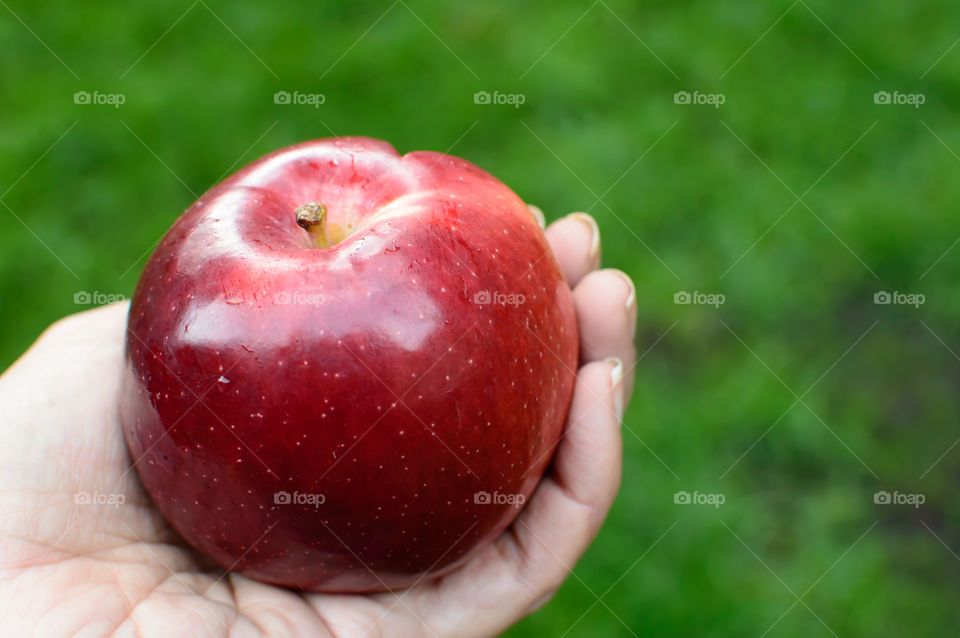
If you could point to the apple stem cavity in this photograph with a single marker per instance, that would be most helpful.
(312, 218)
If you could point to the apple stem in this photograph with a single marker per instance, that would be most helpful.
(311, 218)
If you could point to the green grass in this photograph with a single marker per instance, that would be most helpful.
(688, 198)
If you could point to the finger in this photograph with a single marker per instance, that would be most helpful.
(528, 563)
(606, 305)
(52, 380)
(60, 398)
(536, 212)
(575, 241)
(578, 492)
(104, 325)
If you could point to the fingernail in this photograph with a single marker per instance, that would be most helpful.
(631, 289)
(631, 299)
(591, 223)
(616, 386)
(535, 210)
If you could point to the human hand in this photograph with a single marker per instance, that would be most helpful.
(114, 566)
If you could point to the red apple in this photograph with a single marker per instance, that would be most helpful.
(347, 369)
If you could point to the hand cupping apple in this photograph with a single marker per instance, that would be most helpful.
(347, 369)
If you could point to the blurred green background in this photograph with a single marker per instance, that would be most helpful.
(798, 199)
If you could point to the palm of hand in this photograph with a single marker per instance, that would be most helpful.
(106, 568)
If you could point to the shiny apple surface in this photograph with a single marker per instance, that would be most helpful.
(354, 409)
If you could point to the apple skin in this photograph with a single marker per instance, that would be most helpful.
(369, 371)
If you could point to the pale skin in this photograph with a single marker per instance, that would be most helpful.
(102, 569)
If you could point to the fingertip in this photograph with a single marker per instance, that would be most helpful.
(575, 241)
(593, 252)
(605, 301)
(588, 460)
(616, 385)
(538, 214)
